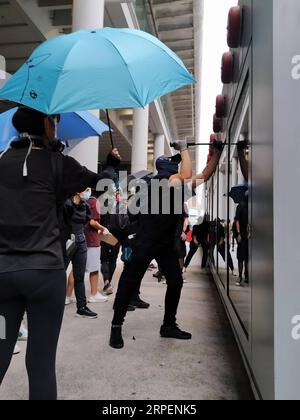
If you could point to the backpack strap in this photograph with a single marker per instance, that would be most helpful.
(57, 169)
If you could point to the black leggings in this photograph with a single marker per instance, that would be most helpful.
(41, 293)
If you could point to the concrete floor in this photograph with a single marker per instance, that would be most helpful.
(207, 368)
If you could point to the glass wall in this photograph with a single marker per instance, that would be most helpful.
(230, 195)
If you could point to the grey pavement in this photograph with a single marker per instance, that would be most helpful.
(208, 367)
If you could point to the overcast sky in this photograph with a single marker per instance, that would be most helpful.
(214, 45)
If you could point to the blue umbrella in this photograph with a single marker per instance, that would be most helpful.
(238, 193)
(74, 125)
(102, 69)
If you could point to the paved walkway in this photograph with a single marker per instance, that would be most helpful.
(207, 368)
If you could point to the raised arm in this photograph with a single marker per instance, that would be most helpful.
(241, 147)
(186, 167)
(209, 170)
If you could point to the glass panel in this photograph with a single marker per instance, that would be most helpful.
(222, 218)
(213, 237)
(239, 214)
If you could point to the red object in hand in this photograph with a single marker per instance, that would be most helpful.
(227, 68)
(221, 106)
(234, 28)
(217, 124)
(189, 236)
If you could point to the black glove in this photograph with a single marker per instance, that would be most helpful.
(218, 145)
(112, 161)
(242, 145)
(179, 145)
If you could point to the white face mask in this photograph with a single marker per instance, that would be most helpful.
(86, 196)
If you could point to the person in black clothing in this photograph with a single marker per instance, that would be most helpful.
(155, 240)
(35, 180)
(242, 240)
(80, 214)
(121, 224)
(199, 238)
(217, 236)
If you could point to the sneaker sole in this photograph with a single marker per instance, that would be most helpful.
(176, 338)
(97, 301)
(117, 347)
(86, 317)
(108, 293)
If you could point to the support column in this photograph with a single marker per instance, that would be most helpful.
(198, 43)
(159, 148)
(88, 14)
(139, 156)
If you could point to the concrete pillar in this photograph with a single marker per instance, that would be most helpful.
(159, 147)
(88, 14)
(139, 156)
(198, 42)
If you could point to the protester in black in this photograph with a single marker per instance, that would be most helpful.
(32, 273)
(155, 240)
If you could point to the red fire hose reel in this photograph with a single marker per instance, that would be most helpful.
(234, 28)
(221, 106)
(217, 124)
(227, 68)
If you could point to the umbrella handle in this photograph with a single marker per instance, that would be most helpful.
(110, 130)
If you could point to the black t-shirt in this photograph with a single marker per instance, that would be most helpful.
(80, 215)
(201, 231)
(29, 228)
(242, 218)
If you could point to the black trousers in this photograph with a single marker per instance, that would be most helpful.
(79, 259)
(133, 274)
(41, 293)
(222, 251)
(109, 257)
(193, 249)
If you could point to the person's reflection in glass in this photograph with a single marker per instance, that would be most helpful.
(243, 241)
(242, 220)
(218, 228)
(242, 146)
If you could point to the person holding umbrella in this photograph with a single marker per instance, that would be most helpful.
(34, 182)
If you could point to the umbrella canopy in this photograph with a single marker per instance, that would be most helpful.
(105, 68)
(238, 193)
(74, 125)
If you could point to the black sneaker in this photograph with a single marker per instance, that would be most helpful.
(86, 313)
(157, 275)
(174, 332)
(116, 340)
(131, 308)
(139, 303)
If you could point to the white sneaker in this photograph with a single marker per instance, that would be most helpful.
(17, 350)
(98, 298)
(23, 333)
(68, 301)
